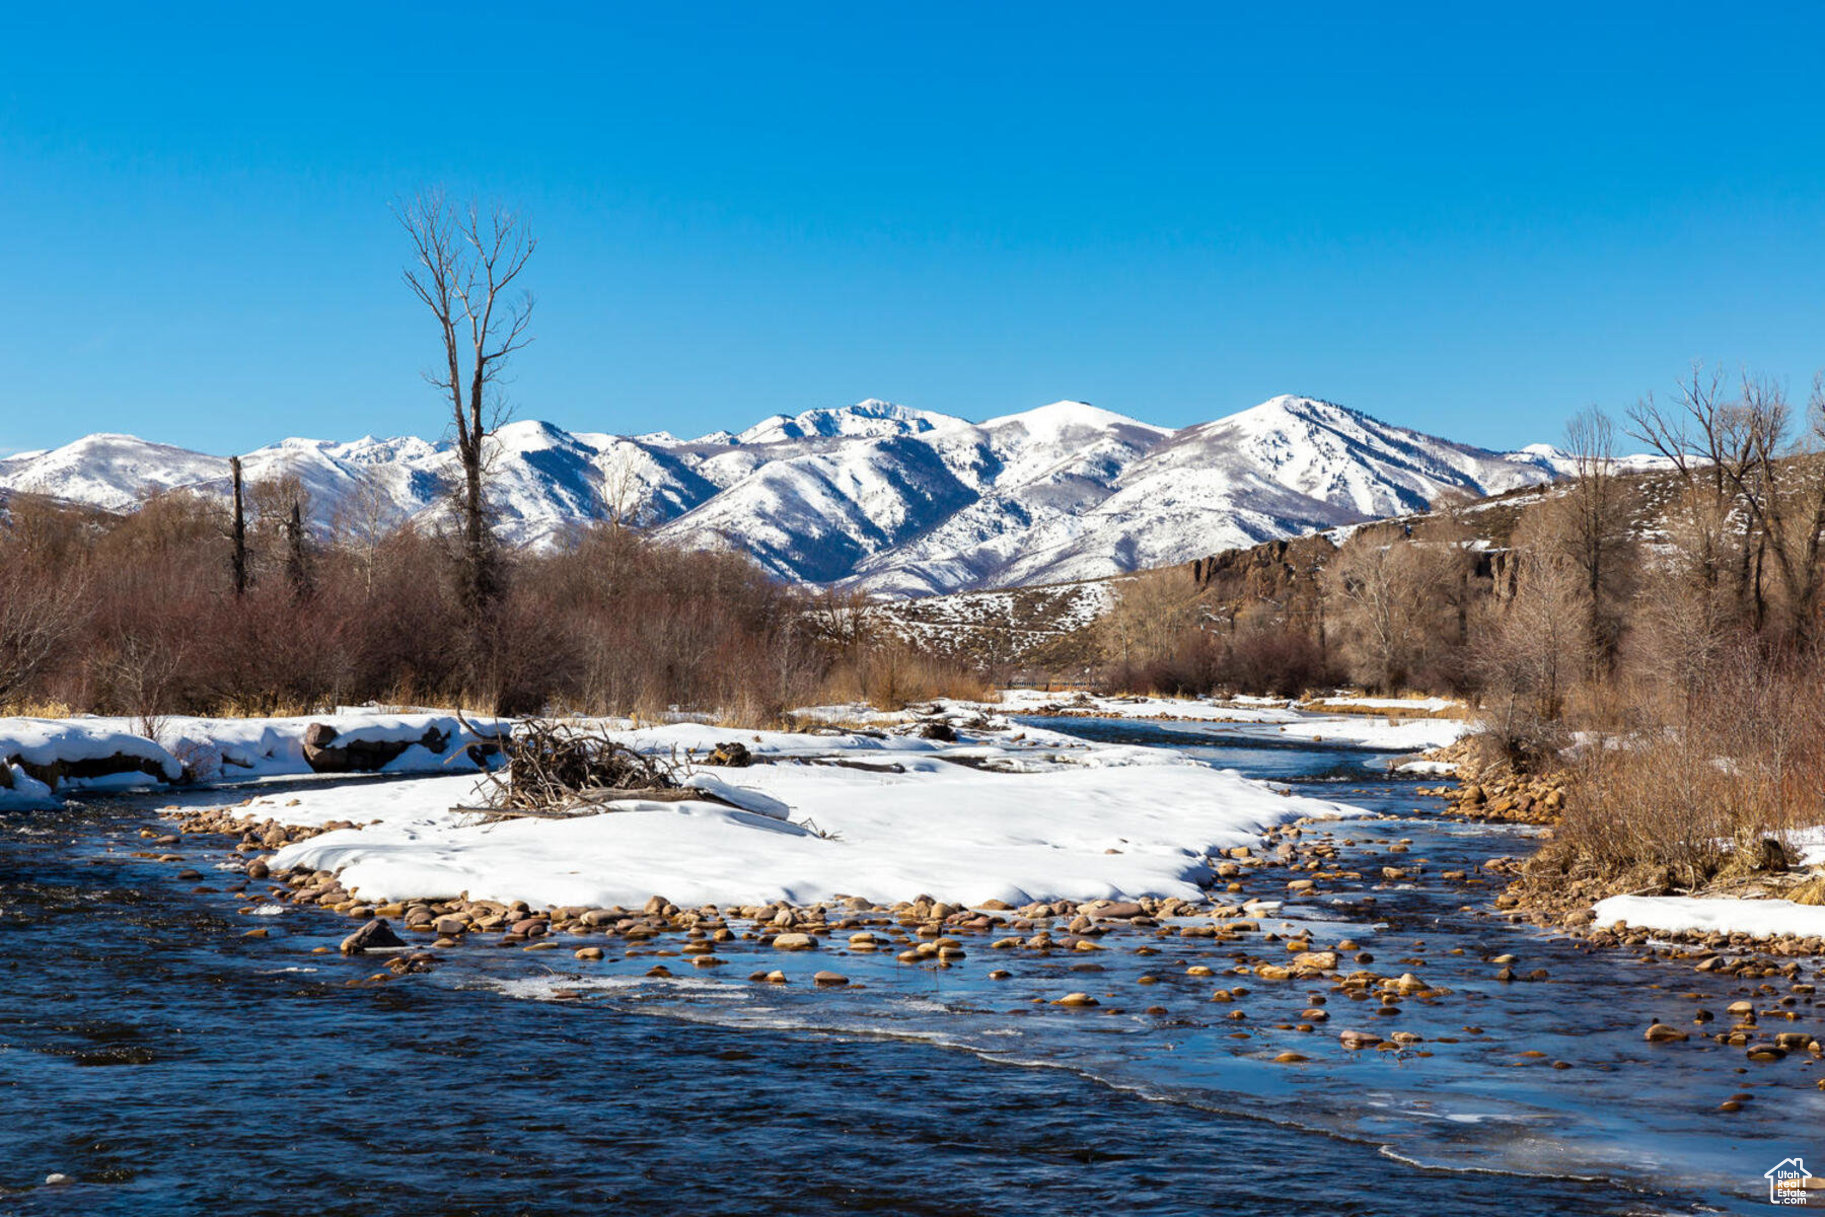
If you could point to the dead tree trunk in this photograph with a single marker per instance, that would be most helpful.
(240, 529)
(296, 568)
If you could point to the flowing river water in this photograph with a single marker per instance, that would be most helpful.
(164, 1062)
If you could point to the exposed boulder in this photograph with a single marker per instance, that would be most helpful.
(328, 751)
(730, 754)
(376, 935)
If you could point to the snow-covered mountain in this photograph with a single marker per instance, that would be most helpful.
(891, 499)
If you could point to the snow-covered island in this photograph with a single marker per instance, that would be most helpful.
(998, 812)
(1009, 813)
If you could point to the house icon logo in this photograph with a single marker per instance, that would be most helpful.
(1787, 1182)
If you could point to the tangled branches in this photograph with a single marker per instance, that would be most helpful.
(555, 768)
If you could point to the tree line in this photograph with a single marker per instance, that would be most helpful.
(138, 614)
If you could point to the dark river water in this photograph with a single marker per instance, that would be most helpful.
(167, 1063)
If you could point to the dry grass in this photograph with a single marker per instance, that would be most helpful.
(1317, 703)
(33, 708)
(893, 675)
(1680, 805)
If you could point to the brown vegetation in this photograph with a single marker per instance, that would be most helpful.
(138, 615)
(1648, 645)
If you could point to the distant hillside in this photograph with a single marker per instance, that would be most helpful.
(1052, 627)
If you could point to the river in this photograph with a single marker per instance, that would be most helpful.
(167, 1063)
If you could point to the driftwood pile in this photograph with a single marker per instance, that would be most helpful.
(558, 769)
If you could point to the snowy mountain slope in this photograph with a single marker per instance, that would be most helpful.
(1561, 463)
(113, 472)
(815, 517)
(1287, 466)
(1038, 470)
(878, 496)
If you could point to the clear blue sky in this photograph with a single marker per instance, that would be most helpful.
(1466, 221)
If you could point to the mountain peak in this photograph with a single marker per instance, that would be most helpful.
(1063, 416)
(869, 418)
(1293, 405)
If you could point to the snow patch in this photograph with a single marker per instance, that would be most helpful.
(1705, 915)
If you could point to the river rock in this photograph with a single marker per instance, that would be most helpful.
(1315, 961)
(375, 935)
(794, 942)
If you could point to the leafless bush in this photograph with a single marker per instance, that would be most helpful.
(1697, 789)
(39, 613)
(1534, 648)
(891, 674)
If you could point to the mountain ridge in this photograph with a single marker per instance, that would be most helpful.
(879, 496)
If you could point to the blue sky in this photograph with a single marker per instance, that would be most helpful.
(1470, 222)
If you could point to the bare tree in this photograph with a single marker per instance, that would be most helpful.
(465, 266)
(1704, 438)
(1587, 526)
(623, 499)
(1387, 597)
(1783, 494)
(1532, 652)
(1756, 507)
(361, 522)
(1152, 612)
(38, 615)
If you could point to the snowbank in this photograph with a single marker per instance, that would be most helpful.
(218, 749)
(1399, 735)
(20, 791)
(1428, 768)
(69, 754)
(1808, 845)
(882, 819)
(109, 753)
(1759, 918)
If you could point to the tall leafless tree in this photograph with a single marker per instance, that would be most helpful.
(1757, 505)
(1783, 494)
(465, 268)
(1588, 526)
(1704, 437)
